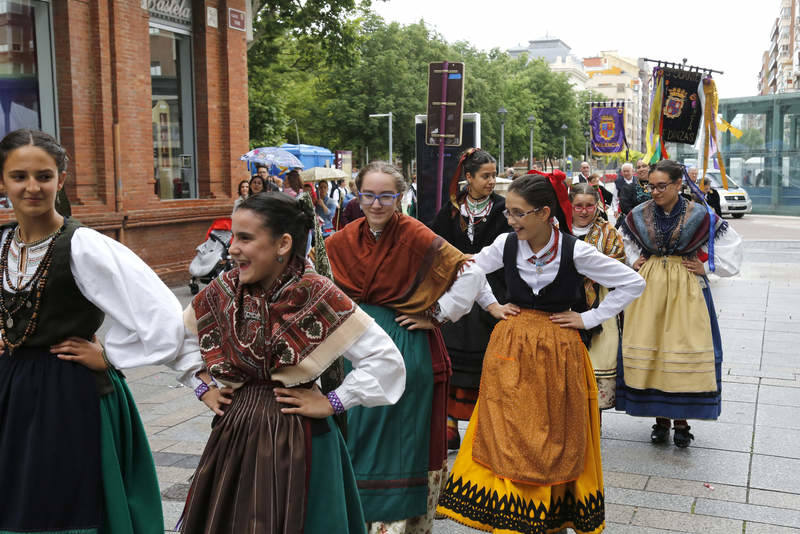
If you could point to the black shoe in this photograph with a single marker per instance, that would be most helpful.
(682, 436)
(660, 434)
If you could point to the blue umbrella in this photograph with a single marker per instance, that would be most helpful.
(276, 159)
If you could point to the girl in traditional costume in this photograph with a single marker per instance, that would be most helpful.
(275, 461)
(590, 228)
(473, 219)
(73, 453)
(530, 459)
(671, 362)
(408, 279)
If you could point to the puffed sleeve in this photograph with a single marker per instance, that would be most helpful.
(490, 258)
(458, 300)
(728, 253)
(379, 374)
(145, 317)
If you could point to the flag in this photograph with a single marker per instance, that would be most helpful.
(682, 109)
(608, 129)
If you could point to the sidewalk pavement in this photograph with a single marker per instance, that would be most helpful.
(741, 474)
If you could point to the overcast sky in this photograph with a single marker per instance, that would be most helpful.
(726, 35)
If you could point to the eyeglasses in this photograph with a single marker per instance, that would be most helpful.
(384, 199)
(519, 214)
(584, 209)
(659, 187)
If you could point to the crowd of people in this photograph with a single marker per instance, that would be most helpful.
(526, 315)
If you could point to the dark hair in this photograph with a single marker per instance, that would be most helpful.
(260, 166)
(537, 191)
(260, 179)
(474, 162)
(282, 215)
(239, 190)
(583, 188)
(26, 137)
(673, 169)
(385, 168)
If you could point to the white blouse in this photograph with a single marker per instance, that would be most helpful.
(458, 300)
(589, 262)
(728, 253)
(146, 325)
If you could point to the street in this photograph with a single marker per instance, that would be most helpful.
(738, 476)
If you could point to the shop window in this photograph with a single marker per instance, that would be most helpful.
(172, 114)
(27, 89)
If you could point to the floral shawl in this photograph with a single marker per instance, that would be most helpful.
(607, 240)
(290, 333)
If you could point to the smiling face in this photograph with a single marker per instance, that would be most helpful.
(482, 183)
(244, 188)
(585, 169)
(627, 172)
(669, 196)
(530, 226)
(256, 250)
(378, 183)
(584, 210)
(32, 180)
(642, 170)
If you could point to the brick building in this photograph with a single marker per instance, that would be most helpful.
(149, 97)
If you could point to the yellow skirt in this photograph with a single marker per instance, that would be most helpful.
(478, 496)
(666, 342)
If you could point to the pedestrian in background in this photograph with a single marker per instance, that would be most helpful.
(671, 362)
(257, 185)
(294, 184)
(472, 220)
(243, 190)
(275, 461)
(410, 281)
(325, 207)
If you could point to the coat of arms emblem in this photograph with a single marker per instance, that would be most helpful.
(675, 101)
(607, 127)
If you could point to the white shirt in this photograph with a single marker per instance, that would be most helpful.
(589, 262)
(728, 253)
(146, 324)
(458, 300)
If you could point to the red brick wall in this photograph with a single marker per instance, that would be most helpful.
(104, 116)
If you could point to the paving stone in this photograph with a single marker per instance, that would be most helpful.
(624, 480)
(782, 396)
(686, 522)
(172, 513)
(783, 361)
(739, 392)
(741, 413)
(619, 513)
(692, 463)
(138, 373)
(186, 447)
(778, 416)
(777, 441)
(695, 488)
(153, 429)
(196, 429)
(777, 325)
(176, 492)
(616, 528)
(181, 415)
(174, 475)
(794, 383)
(167, 459)
(760, 528)
(748, 512)
(157, 444)
(649, 499)
(776, 499)
(165, 378)
(190, 461)
(756, 325)
(733, 379)
(775, 474)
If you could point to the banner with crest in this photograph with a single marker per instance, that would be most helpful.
(683, 111)
(608, 128)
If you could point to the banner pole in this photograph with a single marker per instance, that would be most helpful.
(442, 116)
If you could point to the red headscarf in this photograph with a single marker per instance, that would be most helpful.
(556, 179)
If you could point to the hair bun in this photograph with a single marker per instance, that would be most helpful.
(307, 213)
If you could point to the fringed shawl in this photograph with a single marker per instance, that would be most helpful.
(607, 240)
(688, 236)
(407, 268)
(290, 333)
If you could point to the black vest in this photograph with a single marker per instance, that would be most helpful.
(562, 294)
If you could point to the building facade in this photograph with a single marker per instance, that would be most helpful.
(780, 70)
(558, 55)
(149, 98)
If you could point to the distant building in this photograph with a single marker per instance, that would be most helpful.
(780, 69)
(622, 79)
(557, 54)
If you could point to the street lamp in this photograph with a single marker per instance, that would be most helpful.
(588, 136)
(296, 131)
(378, 115)
(563, 147)
(502, 112)
(531, 120)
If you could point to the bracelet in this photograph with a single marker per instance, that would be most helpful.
(203, 388)
(338, 407)
(432, 312)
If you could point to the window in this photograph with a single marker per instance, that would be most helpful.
(172, 114)
(27, 89)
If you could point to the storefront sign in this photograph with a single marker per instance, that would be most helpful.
(236, 19)
(171, 10)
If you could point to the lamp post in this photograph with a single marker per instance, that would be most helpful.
(296, 131)
(563, 147)
(502, 112)
(378, 115)
(531, 120)
(588, 135)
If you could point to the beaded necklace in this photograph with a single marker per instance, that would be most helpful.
(37, 282)
(476, 210)
(548, 256)
(665, 225)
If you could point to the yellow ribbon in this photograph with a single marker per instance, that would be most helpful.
(725, 126)
(654, 120)
(710, 128)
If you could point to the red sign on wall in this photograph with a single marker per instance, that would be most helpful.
(236, 19)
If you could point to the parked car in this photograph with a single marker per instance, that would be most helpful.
(735, 201)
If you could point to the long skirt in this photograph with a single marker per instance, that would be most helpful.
(265, 471)
(466, 342)
(603, 354)
(692, 337)
(78, 463)
(398, 450)
(530, 459)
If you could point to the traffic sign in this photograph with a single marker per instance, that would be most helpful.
(450, 102)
